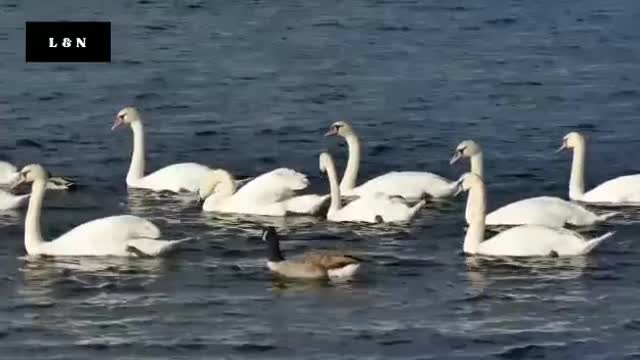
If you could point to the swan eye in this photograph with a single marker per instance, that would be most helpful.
(121, 117)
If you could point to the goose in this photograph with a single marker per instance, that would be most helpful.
(411, 185)
(523, 240)
(270, 194)
(123, 235)
(370, 208)
(176, 178)
(541, 210)
(623, 190)
(310, 265)
(9, 175)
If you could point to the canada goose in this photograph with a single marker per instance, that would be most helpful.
(310, 265)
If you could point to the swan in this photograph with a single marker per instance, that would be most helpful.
(542, 210)
(9, 174)
(123, 235)
(9, 201)
(523, 240)
(270, 194)
(623, 190)
(411, 185)
(371, 208)
(175, 178)
(310, 265)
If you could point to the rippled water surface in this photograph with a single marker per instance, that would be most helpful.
(253, 85)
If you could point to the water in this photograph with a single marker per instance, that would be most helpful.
(250, 86)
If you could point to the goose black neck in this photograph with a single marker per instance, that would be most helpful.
(273, 248)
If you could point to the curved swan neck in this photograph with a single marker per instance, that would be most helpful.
(350, 176)
(32, 235)
(477, 166)
(333, 185)
(226, 183)
(476, 208)
(576, 181)
(136, 169)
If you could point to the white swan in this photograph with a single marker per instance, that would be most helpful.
(623, 190)
(411, 185)
(9, 201)
(123, 235)
(176, 177)
(9, 174)
(524, 240)
(270, 194)
(542, 210)
(371, 208)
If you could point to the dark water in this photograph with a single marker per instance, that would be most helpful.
(253, 85)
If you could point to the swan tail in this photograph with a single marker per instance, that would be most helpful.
(608, 215)
(593, 243)
(60, 183)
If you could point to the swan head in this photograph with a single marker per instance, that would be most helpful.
(572, 140)
(339, 128)
(467, 148)
(126, 116)
(325, 161)
(31, 173)
(467, 181)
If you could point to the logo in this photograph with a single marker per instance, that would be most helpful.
(67, 41)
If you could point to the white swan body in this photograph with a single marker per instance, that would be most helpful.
(270, 194)
(542, 210)
(411, 185)
(623, 190)
(176, 178)
(370, 208)
(524, 240)
(9, 201)
(123, 235)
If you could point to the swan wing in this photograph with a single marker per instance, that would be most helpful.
(105, 236)
(543, 210)
(534, 240)
(271, 187)
(8, 173)
(10, 201)
(176, 178)
(623, 189)
(409, 184)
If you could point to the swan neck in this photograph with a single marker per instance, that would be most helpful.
(576, 181)
(350, 176)
(333, 186)
(477, 165)
(136, 169)
(32, 234)
(226, 184)
(476, 210)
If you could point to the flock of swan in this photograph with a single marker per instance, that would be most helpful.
(537, 224)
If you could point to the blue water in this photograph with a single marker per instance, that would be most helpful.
(252, 85)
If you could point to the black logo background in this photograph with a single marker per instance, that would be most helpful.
(97, 34)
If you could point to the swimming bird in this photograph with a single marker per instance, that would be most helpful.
(523, 240)
(623, 190)
(371, 208)
(123, 235)
(411, 185)
(310, 265)
(272, 194)
(541, 210)
(176, 178)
